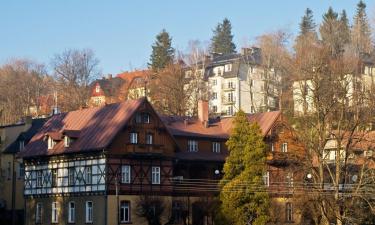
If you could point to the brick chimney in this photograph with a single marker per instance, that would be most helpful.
(203, 111)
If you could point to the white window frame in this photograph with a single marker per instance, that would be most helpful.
(71, 176)
(133, 136)
(66, 141)
(125, 210)
(216, 147)
(272, 147)
(89, 212)
(155, 175)
(284, 147)
(54, 177)
(266, 178)
(39, 178)
(149, 139)
(38, 213)
(289, 212)
(71, 212)
(214, 108)
(55, 212)
(51, 143)
(88, 174)
(146, 117)
(193, 146)
(97, 88)
(214, 95)
(126, 174)
(214, 82)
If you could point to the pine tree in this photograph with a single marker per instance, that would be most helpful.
(361, 34)
(222, 40)
(162, 51)
(307, 24)
(243, 195)
(344, 27)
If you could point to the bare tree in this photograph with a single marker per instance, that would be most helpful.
(151, 208)
(74, 70)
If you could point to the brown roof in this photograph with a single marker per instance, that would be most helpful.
(135, 78)
(97, 127)
(219, 128)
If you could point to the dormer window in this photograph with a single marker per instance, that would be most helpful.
(51, 143)
(192, 145)
(22, 145)
(67, 141)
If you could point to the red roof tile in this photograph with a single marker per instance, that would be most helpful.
(97, 128)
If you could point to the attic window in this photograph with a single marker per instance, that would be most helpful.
(22, 145)
(142, 118)
(97, 88)
(51, 143)
(67, 141)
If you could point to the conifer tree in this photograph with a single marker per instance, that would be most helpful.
(222, 40)
(162, 51)
(361, 34)
(344, 27)
(243, 195)
(307, 24)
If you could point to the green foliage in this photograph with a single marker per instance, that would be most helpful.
(222, 41)
(244, 198)
(162, 51)
(307, 24)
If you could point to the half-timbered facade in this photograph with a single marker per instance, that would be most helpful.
(97, 165)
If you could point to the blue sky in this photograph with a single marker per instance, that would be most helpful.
(121, 32)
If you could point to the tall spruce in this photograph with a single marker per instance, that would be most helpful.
(330, 32)
(344, 27)
(243, 195)
(361, 33)
(222, 40)
(162, 51)
(307, 24)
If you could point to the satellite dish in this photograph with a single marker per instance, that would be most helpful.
(354, 178)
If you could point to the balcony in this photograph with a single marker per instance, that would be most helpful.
(228, 87)
(144, 148)
(226, 100)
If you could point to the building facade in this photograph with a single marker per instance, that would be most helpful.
(107, 165)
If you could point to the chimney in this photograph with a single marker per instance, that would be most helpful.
(203, 111)
(109, 76)
(245, 51)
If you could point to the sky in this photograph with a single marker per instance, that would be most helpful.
(121, 32)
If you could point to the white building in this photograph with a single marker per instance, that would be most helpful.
(238, 81)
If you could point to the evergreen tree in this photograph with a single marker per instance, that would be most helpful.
(244, 198)
(344, 27)
(222, 41)
(162, 51)
(331, 32)
(307, 24)
(361, 34)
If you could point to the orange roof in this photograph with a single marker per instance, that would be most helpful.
(218, 128)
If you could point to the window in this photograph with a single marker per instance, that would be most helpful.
(22, 145)
(228, 67)
(214, 95)
(230, 84)
(214, 82)
(251, 70)
(138, 118)
(289, 179)
(284, 147)
(289, 212)
(133, 138)
(66, 141)
(146, 117)
(21, 170)
(97, 88)
(54, 177)
(230, 97)
(51, 143)
(192, 146)
(39, 178)
(54, 214)
(272, 147)
(214, 108)
(89, 215)
(38, 212)
(266, 178)
(149, 139)
(216, 147)
(71, 212)
(88, 177)
(230, 110)
(125, 174)
(155, 175)
(71, 175)
(124, 212)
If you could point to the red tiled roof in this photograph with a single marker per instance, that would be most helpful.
(219, 128)
(131, 77)
(97, 127)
